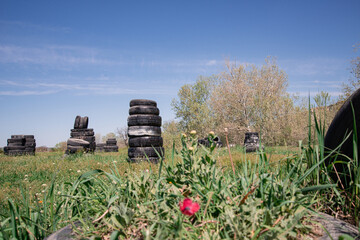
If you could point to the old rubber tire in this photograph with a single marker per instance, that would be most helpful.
(138, 131)
(147, 141)
(84, 123)
(82, 132)
(87, 138)
(17, 136)
(15, 147)
(77, 122)
(341, 126)
(144, 102)
(77, 142)
(74, 149)
(16, 141)
(144, 110)
(88, 130)
(145, 152)
(144, 120)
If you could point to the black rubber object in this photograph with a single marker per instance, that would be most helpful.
(147, 141)
(88, 130)
(145, 151)
(87, 138)
(341, 126)
(15, 147)
(15, 152)
(144, 120)
(16, 141)
(17, 136)
(84, 121)
(77, 122)
(77, 142)
(145, 102)
(144, 110)
(138, 131)
(75, 148)
(30, 145)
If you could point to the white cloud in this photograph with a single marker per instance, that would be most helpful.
(32, 27)
(26, 93)
(44, 88)
(211, 63)
(313, 66)
(52, 55)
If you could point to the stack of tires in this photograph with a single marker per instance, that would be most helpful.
(144, 131)
(20, 145)
(251, 142)
(111, 145)
(82, 138)
(100, 147)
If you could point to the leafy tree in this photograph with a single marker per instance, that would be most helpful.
(171, 133)
(192, 106)
(354, 81)
(251, 98)
(123, 136)
(107, 136)
(61, 146)
(98, 138)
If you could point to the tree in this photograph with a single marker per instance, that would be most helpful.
(192, 106)
(61, 146)
(354, 81)
(123, 135)
(171, 133)
(107, 136)
(251, 98)
(97, 138)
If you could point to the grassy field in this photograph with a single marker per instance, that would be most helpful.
(266, 195)
(34, 172)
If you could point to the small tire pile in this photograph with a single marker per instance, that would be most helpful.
(82, 139)
(100, 147)
(20, 145)
(251, 142)
(111, 145)
(144, 131)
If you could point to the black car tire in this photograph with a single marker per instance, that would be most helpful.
(342, 125)
(16, 141)
(138, 131)
(144, 120)
(77, 122)
(84, 121)
(147, 141)
(144, 110)
(145, 152)
(146, 102)
(77, 142)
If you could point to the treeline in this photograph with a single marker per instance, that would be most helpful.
(248, 98)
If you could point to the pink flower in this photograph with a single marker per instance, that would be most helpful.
(188, 207)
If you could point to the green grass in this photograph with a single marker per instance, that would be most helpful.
(269, 197)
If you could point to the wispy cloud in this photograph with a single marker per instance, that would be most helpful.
(313, 66)
(58, 56)
(32, 27)
(26, 93)
(43, 88)
(52, 55)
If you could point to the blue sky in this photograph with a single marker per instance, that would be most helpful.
(90, 58)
